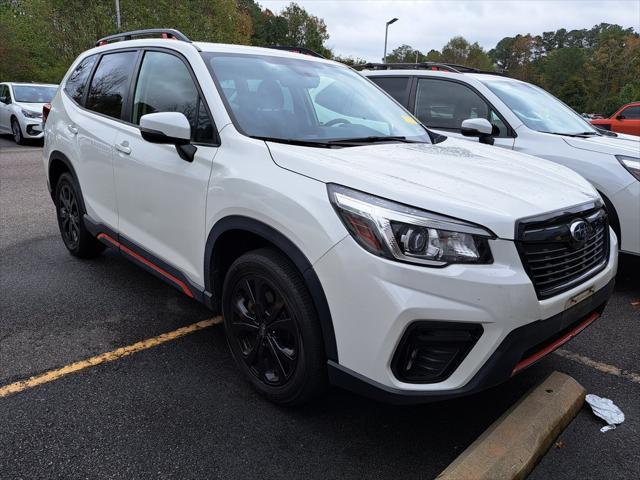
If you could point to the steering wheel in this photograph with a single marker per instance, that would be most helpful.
(337, 121)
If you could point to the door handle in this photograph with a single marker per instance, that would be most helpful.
(123, 148)
(72, 129)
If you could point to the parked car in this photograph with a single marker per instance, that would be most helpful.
(625, 120)
(462, 102)
(339, 238)
(21, 109)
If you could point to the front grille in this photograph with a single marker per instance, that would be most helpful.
(557, 258)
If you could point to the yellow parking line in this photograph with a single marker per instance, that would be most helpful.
(52, 375)
(600, 366)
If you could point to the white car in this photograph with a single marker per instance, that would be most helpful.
(21, 109)
(527, 119)
(360, 249)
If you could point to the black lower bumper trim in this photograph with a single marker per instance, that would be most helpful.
(496, 370)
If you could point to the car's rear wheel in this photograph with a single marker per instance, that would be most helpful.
(17, 132)
(69, 211)
(272, 327)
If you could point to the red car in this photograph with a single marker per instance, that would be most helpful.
(625, 120)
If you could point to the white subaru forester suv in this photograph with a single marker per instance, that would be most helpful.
(341, 240)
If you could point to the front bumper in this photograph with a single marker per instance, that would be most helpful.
(31, 127)
(373, 301)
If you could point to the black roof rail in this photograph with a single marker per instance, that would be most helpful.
(302, 50)
(409, 66)
(465, 69)
(436, 66)
(162, 32)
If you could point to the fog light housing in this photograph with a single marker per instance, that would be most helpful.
(429, 352)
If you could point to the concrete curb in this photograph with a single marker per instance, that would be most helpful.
(513, 444)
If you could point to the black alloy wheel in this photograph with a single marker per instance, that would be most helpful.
(272, 327)
(69, 214)
(265, 329)
(69, 209)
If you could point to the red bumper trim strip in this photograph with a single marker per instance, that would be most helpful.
(556, 344)
(183, 286)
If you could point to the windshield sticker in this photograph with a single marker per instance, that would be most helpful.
(409, 119)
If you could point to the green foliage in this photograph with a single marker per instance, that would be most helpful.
(293, 27)
(594, 70)
(458, 51)
(39, 39)
(349, 60)
(405, 54)
(461, 52)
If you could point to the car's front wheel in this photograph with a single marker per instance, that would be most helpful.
(272, 327)
(17, 132)
(74, 234)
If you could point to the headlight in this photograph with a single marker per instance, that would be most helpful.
(30, 114)
(630, 163)
(406, 234)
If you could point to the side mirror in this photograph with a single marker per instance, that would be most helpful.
(4, 100)
(478, 127)
(620, 117)
(171, 128)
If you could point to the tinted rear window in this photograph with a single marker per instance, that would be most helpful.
(397, 87)
(110, 83)
(77, 81)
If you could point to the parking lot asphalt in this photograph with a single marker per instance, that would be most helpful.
(181, 409)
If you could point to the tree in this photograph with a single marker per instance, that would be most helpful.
(405, 54)
(43, 37)
(305, 30)
(459, 51)
(349, 60)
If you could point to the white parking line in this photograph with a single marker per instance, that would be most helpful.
(600, 366)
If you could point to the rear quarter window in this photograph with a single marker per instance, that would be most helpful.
(77, 81)
(397, 87)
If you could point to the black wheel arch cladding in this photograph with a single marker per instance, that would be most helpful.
(213, 278)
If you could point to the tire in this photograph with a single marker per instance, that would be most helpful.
(75, 235)
(272, 328)
(18, 137)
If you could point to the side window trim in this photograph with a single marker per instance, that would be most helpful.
(201, 98)
(511, 133)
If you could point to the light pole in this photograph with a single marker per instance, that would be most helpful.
(118, 14)
(386, 32)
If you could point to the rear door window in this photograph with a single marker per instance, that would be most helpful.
(397, 87)
(444, 105)
(77, 81)
(110, 83)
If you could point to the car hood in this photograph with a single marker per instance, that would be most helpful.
(620, 145)
(489, 186)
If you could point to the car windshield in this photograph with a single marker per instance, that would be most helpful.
(299, 100)
(33, 93)
(538, 109)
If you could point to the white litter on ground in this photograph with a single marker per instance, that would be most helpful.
(606, 410)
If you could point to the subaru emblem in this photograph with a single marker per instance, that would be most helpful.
(579, 233)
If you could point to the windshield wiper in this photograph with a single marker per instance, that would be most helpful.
(578, 134)
(372, 139)
(295, 141)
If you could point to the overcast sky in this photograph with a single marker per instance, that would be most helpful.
(357, 26)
